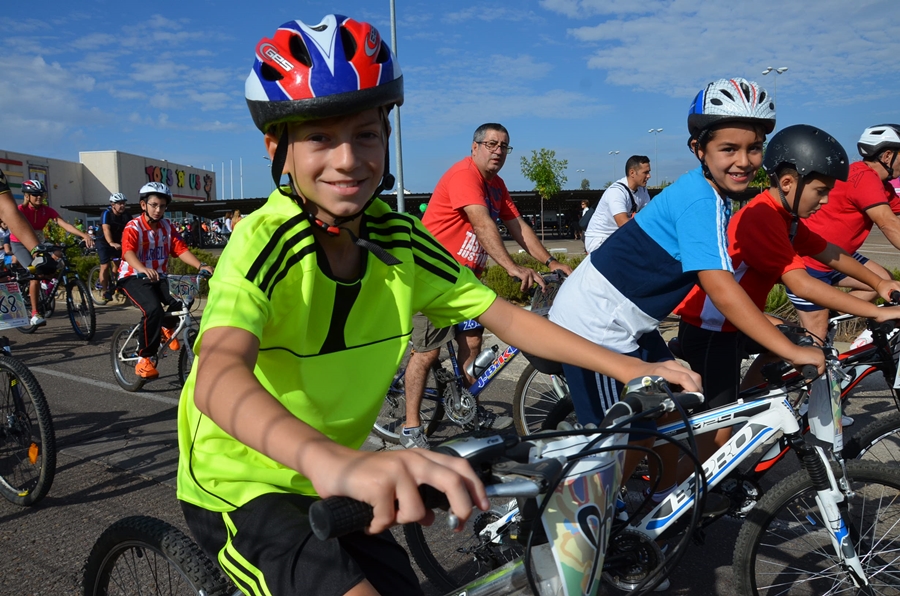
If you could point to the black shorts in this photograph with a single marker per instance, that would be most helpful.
(716, 356)
(267, 547)
(107, 253)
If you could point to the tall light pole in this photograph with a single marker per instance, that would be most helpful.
(614, 154)
(778, 71)
(656, 132)
(401, 199)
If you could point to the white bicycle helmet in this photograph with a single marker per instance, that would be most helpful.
(731, 100)
(117, 198)
(876, 139)
(156, 188)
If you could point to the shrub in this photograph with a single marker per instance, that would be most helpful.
(496, 278)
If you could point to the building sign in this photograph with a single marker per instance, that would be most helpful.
(180, 179)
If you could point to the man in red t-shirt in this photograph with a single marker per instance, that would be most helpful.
(462, 215)
(866, 197)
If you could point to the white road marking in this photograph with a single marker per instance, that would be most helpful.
(102, 385)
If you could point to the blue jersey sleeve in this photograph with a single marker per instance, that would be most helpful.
(702, 232)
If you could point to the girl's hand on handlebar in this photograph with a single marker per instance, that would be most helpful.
(805, 355)
(389, 482)
(675, 374)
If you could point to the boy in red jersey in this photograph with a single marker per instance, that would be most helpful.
(864, 199)
(147, 243)
(765, 241)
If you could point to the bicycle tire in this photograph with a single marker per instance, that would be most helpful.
(49, 302)
(535, 397)
(186, 357)
(451, 559)
(389, 423)
(93, 281)
(125, 343)
(785, 541)
(81, 310)
(144, 555)
(27, 438)
(878, 441)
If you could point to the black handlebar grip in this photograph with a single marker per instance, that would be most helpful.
(809, 372)
(895, 296)
(338, 516)
(690, 400)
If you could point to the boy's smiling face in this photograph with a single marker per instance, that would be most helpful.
(733, 155)
(336, 164)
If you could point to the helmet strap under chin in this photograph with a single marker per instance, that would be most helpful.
(889, 168)
(795, 211)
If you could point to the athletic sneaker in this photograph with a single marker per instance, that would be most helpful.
(146, 369)
(167, 335)
(487, 419)
(414, 437)
(37, 320)
(107, 297)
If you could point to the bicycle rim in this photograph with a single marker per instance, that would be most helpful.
(124, 357)
(93, 284)
(536, 396)
(27, 440)
(878, 442)
(392, 415)
(785, 546)
(453, 559)
(81, 310)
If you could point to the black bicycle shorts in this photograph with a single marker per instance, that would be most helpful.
(267, 547)
(107, 253)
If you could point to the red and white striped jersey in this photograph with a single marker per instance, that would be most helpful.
(152, 247)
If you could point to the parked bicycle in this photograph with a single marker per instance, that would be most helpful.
(79, 305)
(141, 555)
(445, 392)
(124, 351)
(829, 528)
(27, 439)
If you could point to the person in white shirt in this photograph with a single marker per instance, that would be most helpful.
(619, 202)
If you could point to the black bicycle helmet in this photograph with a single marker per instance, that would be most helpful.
(33, 187)
(809, 150)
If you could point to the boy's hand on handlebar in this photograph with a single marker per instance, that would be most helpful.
(389, 482)
(890, 313)
(152, 274)
(207, 268)
(807, 355)
(676, 374)
(886, 287)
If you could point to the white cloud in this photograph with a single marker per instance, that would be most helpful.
(675, 47)
(490, 13)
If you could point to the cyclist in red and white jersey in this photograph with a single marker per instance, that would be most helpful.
(147, 243)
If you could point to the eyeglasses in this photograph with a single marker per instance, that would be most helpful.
(491, 146)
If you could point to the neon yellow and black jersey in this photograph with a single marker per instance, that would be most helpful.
(328, 348)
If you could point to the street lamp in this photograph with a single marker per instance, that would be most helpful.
(614, 154)
(778, 71)
(655, 132)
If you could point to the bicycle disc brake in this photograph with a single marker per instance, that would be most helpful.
(630, 558)
(459, 405)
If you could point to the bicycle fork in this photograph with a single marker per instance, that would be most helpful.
(829, 493)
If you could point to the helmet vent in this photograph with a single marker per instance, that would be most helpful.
(715, 101)
(320, 27)
(349, 43)
(384, 54)
(727, 94)
(269, 73)
(745, 89)
(299, 51)
(762, 98)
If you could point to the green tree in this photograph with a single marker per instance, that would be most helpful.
(546, 172)
(585, 184)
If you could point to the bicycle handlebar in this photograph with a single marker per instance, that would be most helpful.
(337, 516)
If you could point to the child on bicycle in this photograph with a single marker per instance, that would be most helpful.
(307, 320)
(147, 242)
(767, 243)
(38, 215)
(618, 295)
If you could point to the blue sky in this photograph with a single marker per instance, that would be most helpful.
(582, 77)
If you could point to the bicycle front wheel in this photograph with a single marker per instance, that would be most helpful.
(27, 440)
(124, 357)
(143, 555)
(93, 284)
(453, 559)
(785, 545)
(389, 423)
(878, 442)
(80, 306)
(537, 394)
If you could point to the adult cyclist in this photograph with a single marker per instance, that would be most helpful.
(38, 215)
(109, 241)
(147, 243)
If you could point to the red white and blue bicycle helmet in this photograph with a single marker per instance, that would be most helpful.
(339, 67)
(33, 187)
(731, 100)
